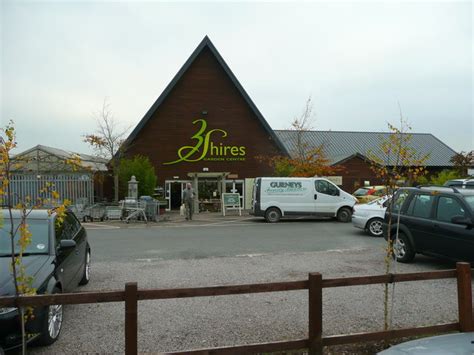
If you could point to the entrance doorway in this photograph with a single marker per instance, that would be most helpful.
(173, 191)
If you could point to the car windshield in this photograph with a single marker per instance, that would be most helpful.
(39, 237)
(361, 192)
(379, 201)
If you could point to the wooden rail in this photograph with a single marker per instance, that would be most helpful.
(314, 284)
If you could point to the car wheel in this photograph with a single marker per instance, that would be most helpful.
(374, 227)
(52, 322)
(87, 269)
(272, 215)
(402, 249)
(344, 215)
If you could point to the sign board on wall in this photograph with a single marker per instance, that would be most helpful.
(205, 148)
(337, 180)
(470, 172)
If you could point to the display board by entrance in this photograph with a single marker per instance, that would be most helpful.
(231, 201)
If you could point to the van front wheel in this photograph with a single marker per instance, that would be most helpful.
(344, 215)
(272, 215)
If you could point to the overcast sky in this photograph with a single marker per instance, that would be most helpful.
(60, 59)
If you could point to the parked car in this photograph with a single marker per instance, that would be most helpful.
(453, 344)
(273, 198)
(467, 183)
(369, 193)
(369, 216)
(58, 258)
(436, 221)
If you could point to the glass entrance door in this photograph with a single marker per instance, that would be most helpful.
(173, 192)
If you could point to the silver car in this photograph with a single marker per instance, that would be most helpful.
(369, 216)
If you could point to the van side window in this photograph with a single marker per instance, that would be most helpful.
(448, 207)
(325, 187)
(420, 206)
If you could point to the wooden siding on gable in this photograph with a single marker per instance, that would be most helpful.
(205, 86)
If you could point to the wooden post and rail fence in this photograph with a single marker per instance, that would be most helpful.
(314, 284)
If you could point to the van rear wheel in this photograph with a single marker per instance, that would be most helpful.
(272, 215)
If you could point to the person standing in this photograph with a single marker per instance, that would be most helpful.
(188, 200)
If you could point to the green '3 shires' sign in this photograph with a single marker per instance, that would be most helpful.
(205, 148)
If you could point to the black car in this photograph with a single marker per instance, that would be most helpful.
(58, 258)
(437, 221)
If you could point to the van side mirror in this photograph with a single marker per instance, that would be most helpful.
(462, 220)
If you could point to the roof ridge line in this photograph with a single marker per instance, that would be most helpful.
(331, 131)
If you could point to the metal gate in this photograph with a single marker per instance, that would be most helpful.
(78, 187)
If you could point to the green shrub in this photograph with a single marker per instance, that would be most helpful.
(440, 178)
(144, 172)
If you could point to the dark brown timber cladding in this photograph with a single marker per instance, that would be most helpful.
(205, 86)
(355, 171)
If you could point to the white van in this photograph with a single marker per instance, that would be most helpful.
(275, 197)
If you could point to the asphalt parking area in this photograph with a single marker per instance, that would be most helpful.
(237, 252)
(216, 237)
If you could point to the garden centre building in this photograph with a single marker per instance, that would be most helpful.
(205, 129)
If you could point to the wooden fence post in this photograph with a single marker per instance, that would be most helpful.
(315, 303)
(131, 327)
(465, 297)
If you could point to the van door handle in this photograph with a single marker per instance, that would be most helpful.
(315, 196)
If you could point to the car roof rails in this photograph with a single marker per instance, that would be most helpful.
(455, 190)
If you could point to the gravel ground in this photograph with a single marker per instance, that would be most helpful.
(171, 325)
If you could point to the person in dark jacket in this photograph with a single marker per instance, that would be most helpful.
(188, 200)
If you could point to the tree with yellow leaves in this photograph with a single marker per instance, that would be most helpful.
(18, 233)
(398, 162)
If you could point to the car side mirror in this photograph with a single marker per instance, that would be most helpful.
(462, 220)
(66, 244)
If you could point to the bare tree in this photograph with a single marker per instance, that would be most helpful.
(301, 124)
(107, 140)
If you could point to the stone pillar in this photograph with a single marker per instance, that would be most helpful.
(133, 187)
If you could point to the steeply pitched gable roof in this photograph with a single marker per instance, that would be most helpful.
(340, 145)
(205, 43)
